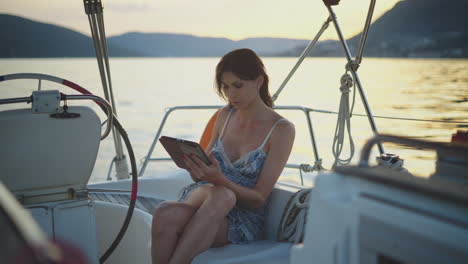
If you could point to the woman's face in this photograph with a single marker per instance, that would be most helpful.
(240, 93)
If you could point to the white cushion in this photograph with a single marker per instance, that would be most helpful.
(42, 155)
(262, 251)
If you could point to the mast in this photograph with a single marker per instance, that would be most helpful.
(353, 64)
(94, 10)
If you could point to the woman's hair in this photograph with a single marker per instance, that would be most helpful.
(246, 65)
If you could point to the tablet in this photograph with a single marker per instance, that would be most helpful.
(177, 147)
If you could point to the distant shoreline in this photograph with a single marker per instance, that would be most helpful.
(402, 32)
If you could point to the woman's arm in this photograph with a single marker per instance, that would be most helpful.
(214, 136)
(282, 140)
(220, 120)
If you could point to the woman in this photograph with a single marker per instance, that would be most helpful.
(249, 148)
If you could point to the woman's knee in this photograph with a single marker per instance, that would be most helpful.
(170, 215)
(223, 197)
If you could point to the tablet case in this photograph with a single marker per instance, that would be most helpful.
(177, 147)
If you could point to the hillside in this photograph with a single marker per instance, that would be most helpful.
(413, 28)
(24, 38)
(421, 28)
(183, 45)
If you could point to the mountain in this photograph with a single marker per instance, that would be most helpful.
(415, 28)
(184, 45)
(412, 28)
(172, 45)
(24, 38)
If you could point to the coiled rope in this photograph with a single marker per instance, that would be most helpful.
(293, 219)
(344, 122)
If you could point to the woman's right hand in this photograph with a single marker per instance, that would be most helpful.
(199, 171)
(192, 175)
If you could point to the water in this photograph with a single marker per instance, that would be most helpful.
(432, 89)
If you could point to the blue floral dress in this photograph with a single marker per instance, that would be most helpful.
(244, 225)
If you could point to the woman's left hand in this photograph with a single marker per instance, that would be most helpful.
(199, 170)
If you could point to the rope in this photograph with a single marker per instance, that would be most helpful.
(304, 167)
(418, 119)
(343, 123)
(390, 117)
(294, 217)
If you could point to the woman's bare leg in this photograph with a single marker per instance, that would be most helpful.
(221, 238)
(205, 226)
(169, 221)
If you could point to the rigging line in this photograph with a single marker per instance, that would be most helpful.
(423, 120)
(105, 58)
(355, 76)
(96, 35)
(94, 11)
(105, 53)
(97, 48)
(393, 117)
(304, 54)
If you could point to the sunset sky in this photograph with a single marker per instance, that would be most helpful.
(234, 19)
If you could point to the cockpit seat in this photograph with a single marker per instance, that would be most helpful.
(263, 251)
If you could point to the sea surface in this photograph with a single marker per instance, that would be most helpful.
(431, 89)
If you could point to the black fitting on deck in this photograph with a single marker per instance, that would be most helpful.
(331, 2)
(93, 6)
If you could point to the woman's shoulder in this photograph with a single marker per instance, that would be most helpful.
(283, 134)
(223, 112)
(225, 109)
(283, 126)
(222, 116)
(281, 120)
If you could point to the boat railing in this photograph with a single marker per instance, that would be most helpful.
(301, 167)
(317, 166)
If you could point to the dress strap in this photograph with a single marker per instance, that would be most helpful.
(225, 124)
(269, 133)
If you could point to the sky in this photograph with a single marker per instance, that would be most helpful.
(234, 19)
